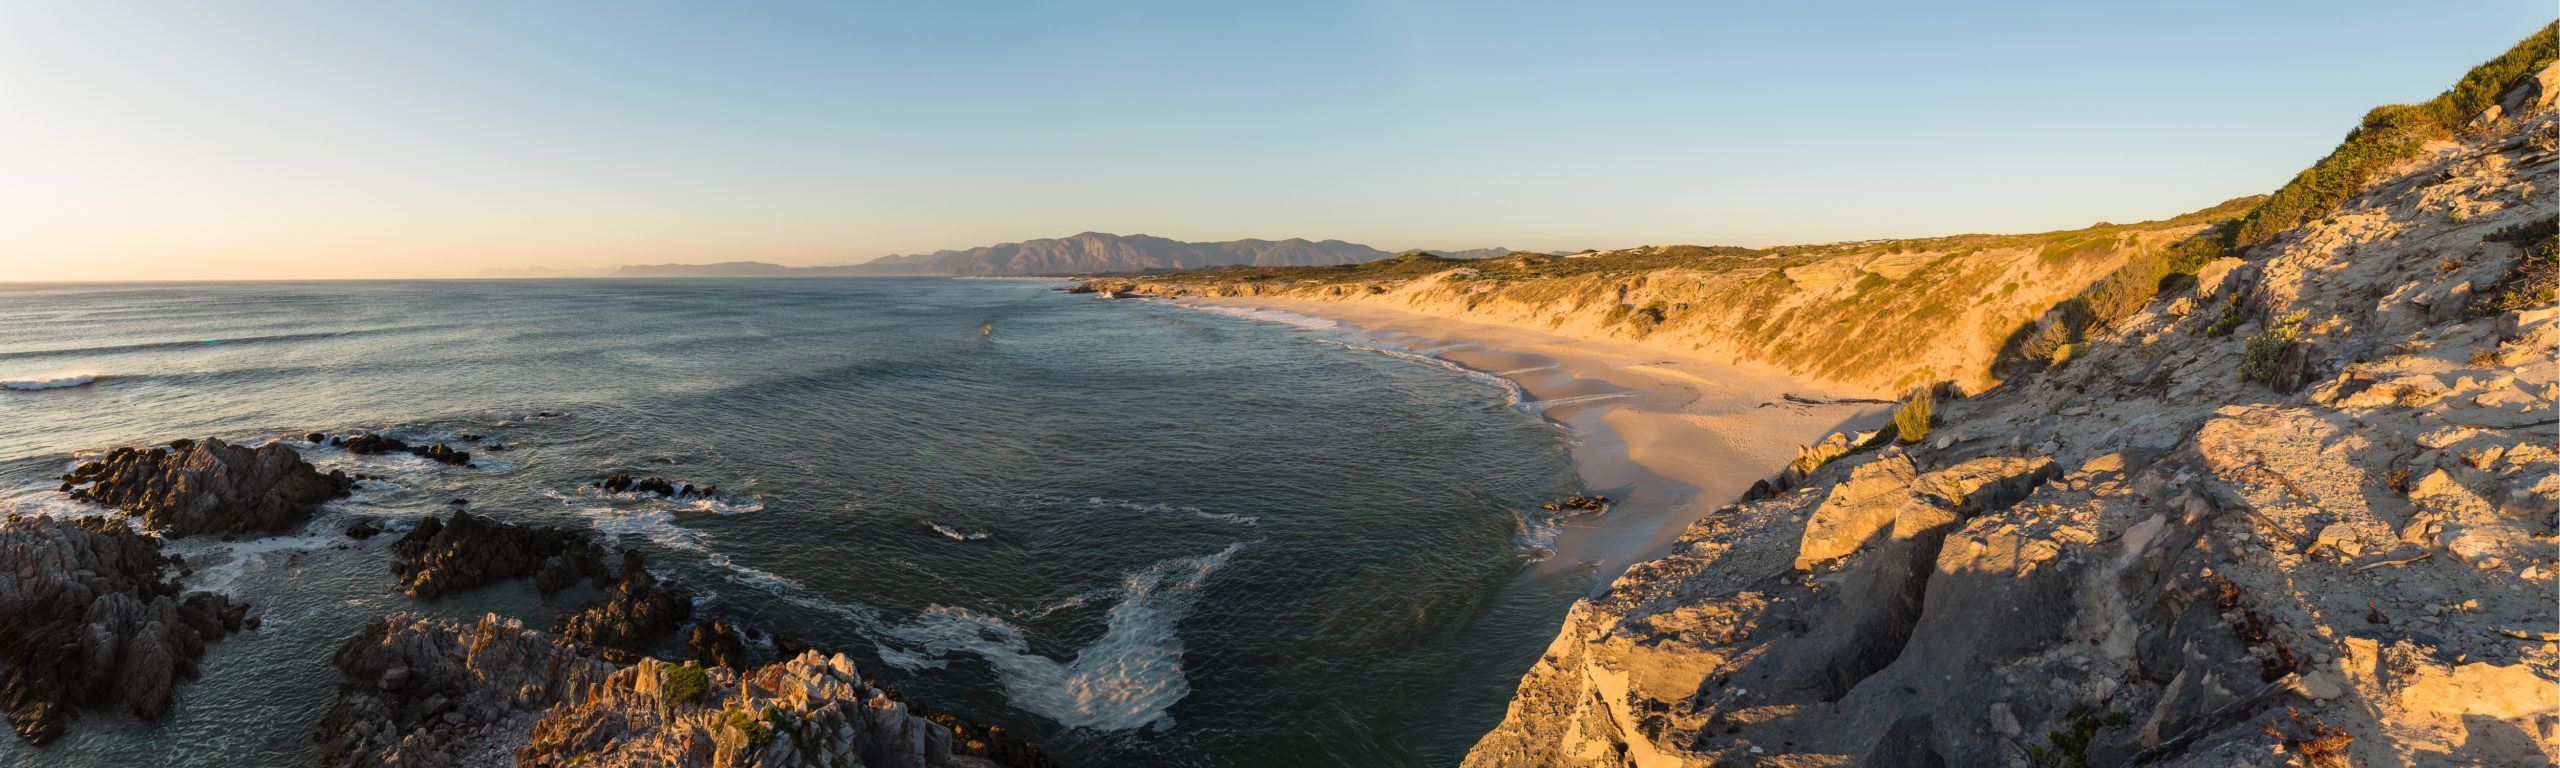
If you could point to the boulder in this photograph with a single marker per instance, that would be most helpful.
(197, 487)
(94, 624)
(463, 550)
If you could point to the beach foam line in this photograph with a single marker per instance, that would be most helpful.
(1512, 394)
(1124, 680)
(49, 381)
(1545, 404)
(1530, 369)
(1309, 322)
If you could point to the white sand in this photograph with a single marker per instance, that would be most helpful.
(1670, 438)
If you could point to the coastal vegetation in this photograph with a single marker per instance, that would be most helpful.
(1911, 421)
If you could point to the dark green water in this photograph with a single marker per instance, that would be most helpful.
(1210, 540)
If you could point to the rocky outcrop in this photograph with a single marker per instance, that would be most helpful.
(94, 623)
(370, 444)
(655, 485)
(463, 550)
(192, 487)
(638, 611)
(2299, 512)
(419, 692)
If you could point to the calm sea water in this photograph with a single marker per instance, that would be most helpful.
(1209, 540)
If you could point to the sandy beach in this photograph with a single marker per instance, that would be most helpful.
(1668, 437)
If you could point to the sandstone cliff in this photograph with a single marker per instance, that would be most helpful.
(2299, 510)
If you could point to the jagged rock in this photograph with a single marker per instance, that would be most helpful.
(370, 444)
(363, 529)
(494, 692)
(463, 550)
(1579, 504)
(196, 487)
(639, 610)
(93, 624)
(715, 643)
(655, 485)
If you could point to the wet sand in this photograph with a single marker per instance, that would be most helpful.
(1669, 438)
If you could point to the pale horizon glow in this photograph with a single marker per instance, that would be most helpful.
(310, 140)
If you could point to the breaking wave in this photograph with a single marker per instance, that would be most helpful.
(1124, 680)
(1309, 322)
(49, 381)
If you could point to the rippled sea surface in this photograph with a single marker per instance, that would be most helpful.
(1207, 539)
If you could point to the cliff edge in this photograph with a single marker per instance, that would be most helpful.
(2298, 509)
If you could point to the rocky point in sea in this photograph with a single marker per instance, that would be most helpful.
(207, 486)
(101, 622)
(95, 621)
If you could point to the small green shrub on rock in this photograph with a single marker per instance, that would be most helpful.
(758, 728)
(2258, 362)
(686, 683)
(1911, 423)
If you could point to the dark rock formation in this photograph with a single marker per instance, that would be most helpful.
(363, 529)
(639, 610)
(1579, 504)
(653, 484)
(93, 624)
(371, 444)
(464, 550)
(192, 487)
(715, 643)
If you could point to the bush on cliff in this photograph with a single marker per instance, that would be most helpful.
(2266, 350)
(686, 683)
(1911, 422)
(2393, 133)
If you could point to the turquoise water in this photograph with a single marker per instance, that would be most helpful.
(1208, 540)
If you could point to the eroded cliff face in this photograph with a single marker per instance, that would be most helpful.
(2299, 512)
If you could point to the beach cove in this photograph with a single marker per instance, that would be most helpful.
(1668, 436)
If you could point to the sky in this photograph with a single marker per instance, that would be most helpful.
(256, 140)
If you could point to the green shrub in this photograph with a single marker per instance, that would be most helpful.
(2393, 133)
(759, 728)
(2258, 362)
(2070, 749)
(1873, 281)
(1911, 422)
(686, 683)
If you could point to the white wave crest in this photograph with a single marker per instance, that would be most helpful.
(1161, 507)
(1512, 394)
(48, 381)
(955, 534)
(1309, 322)
(1124, 680)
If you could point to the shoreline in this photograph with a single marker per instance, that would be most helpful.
(1668, 437)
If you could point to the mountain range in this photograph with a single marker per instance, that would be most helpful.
(1087, 253)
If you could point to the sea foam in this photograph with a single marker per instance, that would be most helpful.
(49, 381)
(1124, 680)
(1308, 322)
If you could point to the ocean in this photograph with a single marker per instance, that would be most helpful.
(1139, 532)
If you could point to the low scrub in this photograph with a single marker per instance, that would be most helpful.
(2266, 350)
(2534, 281)
(2393, 133)
(1911, 421)
(686, 683)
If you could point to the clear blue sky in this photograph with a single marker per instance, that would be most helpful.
(255, 139)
